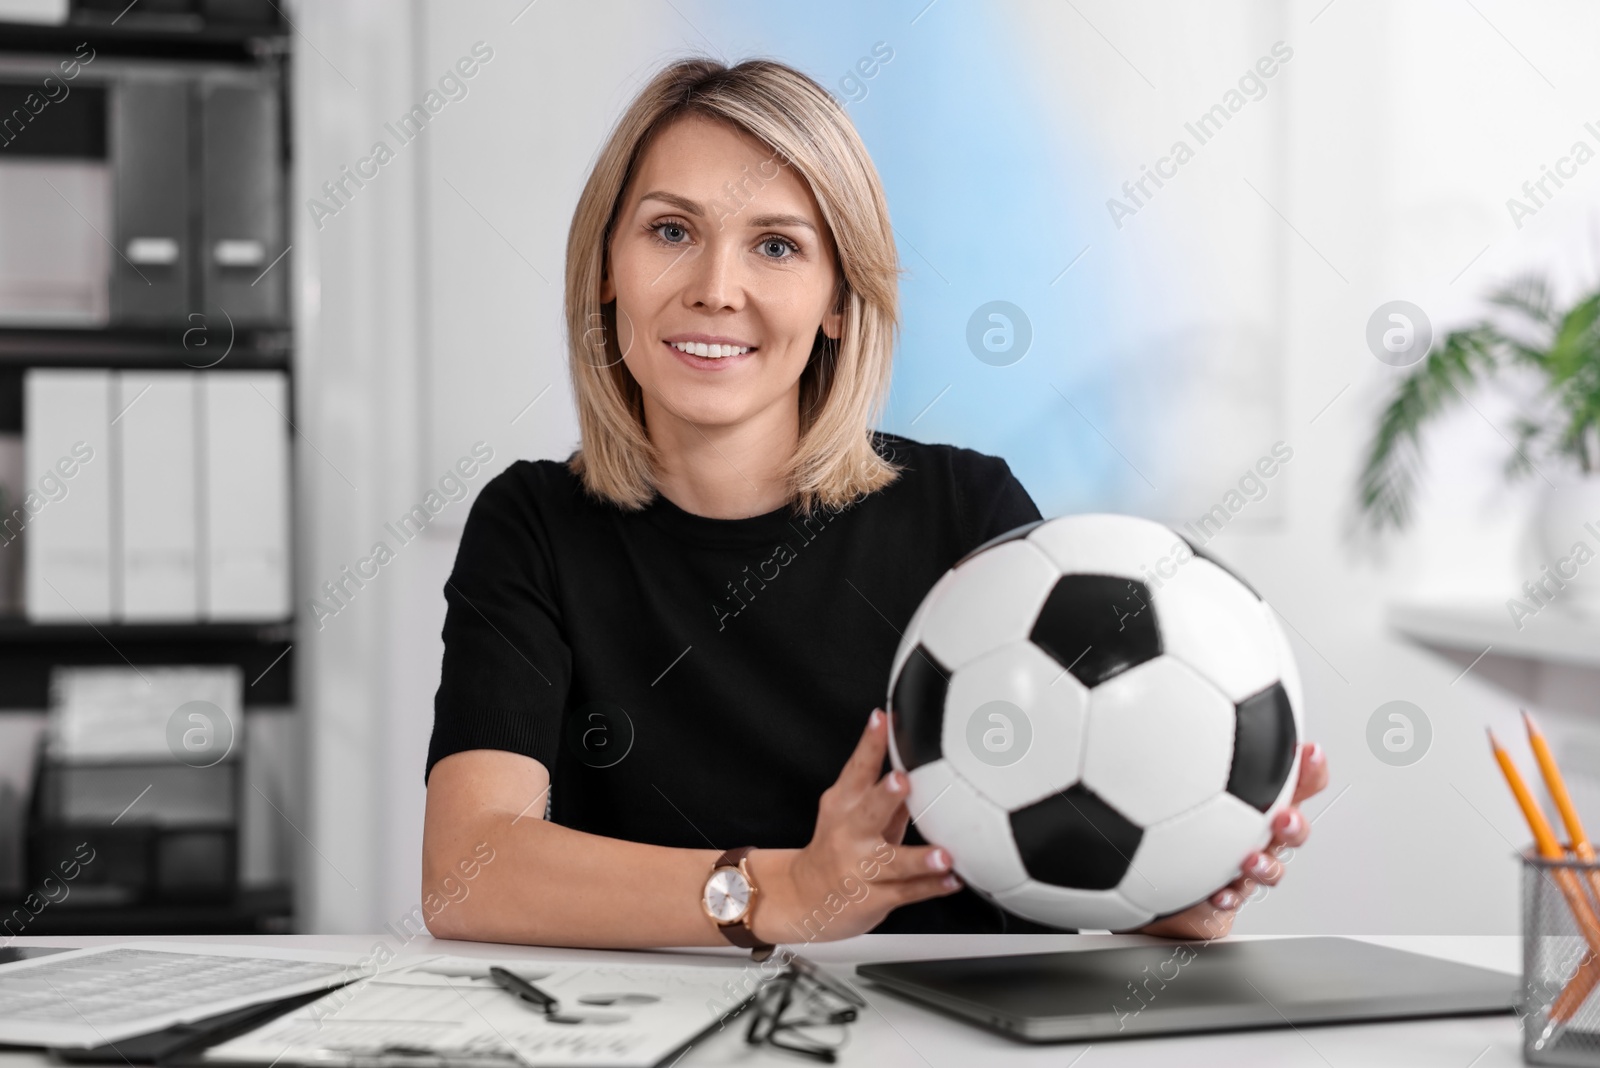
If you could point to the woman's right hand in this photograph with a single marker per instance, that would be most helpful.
(856, 869)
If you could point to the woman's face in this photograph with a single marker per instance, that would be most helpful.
(721, 249)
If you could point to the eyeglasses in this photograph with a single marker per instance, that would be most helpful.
(803, 1010)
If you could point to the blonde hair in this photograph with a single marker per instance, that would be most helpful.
(845, 383)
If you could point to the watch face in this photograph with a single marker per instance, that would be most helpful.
(727, 895)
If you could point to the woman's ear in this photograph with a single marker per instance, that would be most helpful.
(833, 321)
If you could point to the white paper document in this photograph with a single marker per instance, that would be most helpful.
(89, 997)
(448, 1010)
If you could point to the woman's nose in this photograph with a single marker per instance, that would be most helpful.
(713, 281)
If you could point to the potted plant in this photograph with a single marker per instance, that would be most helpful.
(1556, 435)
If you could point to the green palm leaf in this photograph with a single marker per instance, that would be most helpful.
(1530, 295)
(1564, 348)
(1394, 458)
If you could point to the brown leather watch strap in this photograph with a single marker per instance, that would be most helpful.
(742, 936)
(732, 857)
(739, 933)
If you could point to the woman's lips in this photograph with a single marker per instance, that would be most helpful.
(706, 363)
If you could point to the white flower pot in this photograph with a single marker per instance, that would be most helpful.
(1565, 517)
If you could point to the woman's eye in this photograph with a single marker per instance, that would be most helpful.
(777, 248)
(672, 233)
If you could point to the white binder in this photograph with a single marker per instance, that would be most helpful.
(246, 495)
(156, 419)
(66, 531)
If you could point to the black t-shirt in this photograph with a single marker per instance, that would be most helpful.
(697, 682)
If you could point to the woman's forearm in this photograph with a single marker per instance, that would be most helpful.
(552, 885)
(538, 882)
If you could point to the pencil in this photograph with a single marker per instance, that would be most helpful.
(1548, 847)
(1544, 838)
(1583, 982)
(1558, 788)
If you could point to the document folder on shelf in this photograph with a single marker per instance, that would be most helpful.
(157, 417)
(245, 486)
(64, 524)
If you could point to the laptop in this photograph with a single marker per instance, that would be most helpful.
(1189, 987)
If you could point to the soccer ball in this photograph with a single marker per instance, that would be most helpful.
(1099, 721)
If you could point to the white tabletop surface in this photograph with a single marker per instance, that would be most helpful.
(894, 1032)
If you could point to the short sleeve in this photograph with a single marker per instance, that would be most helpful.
(507, 665)
(995, 502)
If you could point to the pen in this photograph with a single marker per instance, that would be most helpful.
(516, 985)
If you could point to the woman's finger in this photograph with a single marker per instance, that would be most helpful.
(861, 770)
(895, 832)
(916, 862)
(1313, 771)
(1264, 868)
(905, 891)
(1289, 828)
(882, 804)
(1200, 922)
(1227, 899)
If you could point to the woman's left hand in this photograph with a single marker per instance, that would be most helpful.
(1213, 918)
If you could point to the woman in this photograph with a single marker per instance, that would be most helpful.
(667, 647)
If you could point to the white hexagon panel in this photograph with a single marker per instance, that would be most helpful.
(908, 640)
(1105, 544)
(1214, 623)
(1191, 856)
(1159, 741)
(992, 601)
(1013, 725)
(950, 813)
(1047, 904)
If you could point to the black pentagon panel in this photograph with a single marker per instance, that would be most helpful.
(1098, 626)
(917, 704)
(1202, 554)
(1015, 534)
(1263, 747)
(1074, 839)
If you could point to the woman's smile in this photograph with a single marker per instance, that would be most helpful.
(709, 352)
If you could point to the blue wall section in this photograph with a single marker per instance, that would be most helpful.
(989, 190)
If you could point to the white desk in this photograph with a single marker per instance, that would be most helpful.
(894, 1032)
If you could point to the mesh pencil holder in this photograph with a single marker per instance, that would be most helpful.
(1560, 1009)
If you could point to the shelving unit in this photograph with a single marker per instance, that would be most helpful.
(263, 651)
(29, 650)
(151, 348)
(133, 38)
(256, 910)
(198, 166)
(1555, 635)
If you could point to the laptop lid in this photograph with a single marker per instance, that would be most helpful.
(1177, 987)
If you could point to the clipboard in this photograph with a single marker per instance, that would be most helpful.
(171, 1045)
(258, 1040)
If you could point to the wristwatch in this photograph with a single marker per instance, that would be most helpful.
(729, 898)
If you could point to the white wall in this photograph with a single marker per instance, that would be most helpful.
(1412, 125)
(360, 311)
(430, 312)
